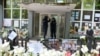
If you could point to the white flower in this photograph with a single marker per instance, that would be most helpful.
(94, 51)
(19, 50)
(15, 47)
(84, 49)
(5, 47)
(52, 52)
(82, 37)
(98, 47)
(25, 54)
(29, 54)
(87, 54)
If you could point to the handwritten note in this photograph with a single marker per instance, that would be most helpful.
(12, 35)
(35, 47)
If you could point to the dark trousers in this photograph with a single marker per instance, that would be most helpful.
(81, 54)
(53, 34)
(13, 43)
(45, 32)
(91, 44)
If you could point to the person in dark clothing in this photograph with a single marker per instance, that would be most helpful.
(89, 41)
(53, 28)
(13, 42)
(91, 44)
(45, 25)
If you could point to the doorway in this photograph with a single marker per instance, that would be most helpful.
(60, 22)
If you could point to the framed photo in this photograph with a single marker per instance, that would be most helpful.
(97, 14)
(69, 44)
(87, 15)
(54, 43)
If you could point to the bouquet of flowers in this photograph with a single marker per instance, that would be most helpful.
(19, 51)
(4, 48)
(23, 33)
(4, 34)
(52, 52)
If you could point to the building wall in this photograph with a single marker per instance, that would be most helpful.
(80, 16)
(85, 14)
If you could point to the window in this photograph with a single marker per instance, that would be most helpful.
(97, 16)
(87, 15)
(88, 4)
(96, 26)
(7, 3)
(15, 3)
(84, 24)
(75, 16)
(24, 24)
(78, 5)
(50, 1)
(14, 14)
(24, 14)
(97, 4)
(16, 23)
(39, 1)
(7, 13)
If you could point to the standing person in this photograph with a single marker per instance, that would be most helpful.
(45, 25)
(53, 28)
(91, 44)
(13, 42)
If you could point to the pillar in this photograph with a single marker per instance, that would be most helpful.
(67, 24)
(30, 24)
(1, 13)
